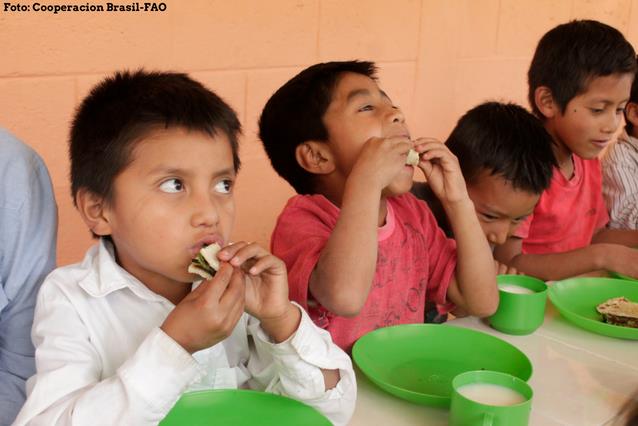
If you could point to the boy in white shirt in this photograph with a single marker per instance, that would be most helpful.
(620, 170)
(120, 336)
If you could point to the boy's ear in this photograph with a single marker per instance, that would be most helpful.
(631, 113)
(315, 157)
(93, 210)
(544, 100)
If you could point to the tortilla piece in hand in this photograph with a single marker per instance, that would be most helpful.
(206, 263)
(413, 158)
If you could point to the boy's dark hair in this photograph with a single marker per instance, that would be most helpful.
(570, 55)
(294, 115)
(126, 107)
(506, 140)
(633, 98)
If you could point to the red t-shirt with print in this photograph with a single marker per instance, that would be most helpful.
(415, 261)
(569, 212)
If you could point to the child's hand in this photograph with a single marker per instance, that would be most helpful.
(266, 282)
(380, 160)
(503, 269)
(622, 259)
(208, 314)
(442, 171)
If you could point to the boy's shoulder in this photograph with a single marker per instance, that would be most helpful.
(403, 205)
(311, 205)
(13, 149)
(66, 279)
(18, 159)
(307, 201)
(96, 276)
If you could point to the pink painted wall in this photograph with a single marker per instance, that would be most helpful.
(437, 58)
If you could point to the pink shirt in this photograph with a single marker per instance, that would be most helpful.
(569, 212)
(415, 260)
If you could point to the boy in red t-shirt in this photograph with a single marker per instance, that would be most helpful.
(579, 83)
(362, 252)
(506, 158)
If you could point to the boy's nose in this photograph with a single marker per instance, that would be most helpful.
(498, 235)
(204, 211)
(396, 115)
(612, 122)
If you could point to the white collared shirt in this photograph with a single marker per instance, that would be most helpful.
(102, 359)
(620, 183)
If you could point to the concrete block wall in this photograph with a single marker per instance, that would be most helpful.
(437, 59)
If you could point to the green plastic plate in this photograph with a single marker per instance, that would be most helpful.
(241, 408)
(576, 299)
(417, 362)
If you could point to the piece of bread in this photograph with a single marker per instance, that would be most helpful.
(413, 158)
(619, 311)
(206, 263)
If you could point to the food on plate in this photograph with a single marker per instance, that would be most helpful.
(619, 311)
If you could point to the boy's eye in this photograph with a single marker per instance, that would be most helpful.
(366, 108)
(596, 110)
(488, 217)
(224, 186)
(172, 186)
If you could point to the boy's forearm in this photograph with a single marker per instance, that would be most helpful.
(558, 266)
(345, 270)
(625, 237)
(475, 275)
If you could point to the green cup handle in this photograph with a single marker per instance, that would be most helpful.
(488, 420)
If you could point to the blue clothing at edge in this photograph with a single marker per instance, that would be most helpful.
(28, 229)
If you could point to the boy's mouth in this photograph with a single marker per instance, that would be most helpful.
(399, 135)
(204, 241)
(601, 143)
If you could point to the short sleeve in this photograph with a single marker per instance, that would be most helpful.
(301, 233)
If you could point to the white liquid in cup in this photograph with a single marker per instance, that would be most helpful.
(489, 394)
(513, 288)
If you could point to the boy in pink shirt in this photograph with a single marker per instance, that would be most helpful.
(361, 251)
(579, 83)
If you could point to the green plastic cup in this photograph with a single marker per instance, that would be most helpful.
(519, 313)
(491, 390)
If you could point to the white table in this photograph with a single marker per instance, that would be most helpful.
(579, 378)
